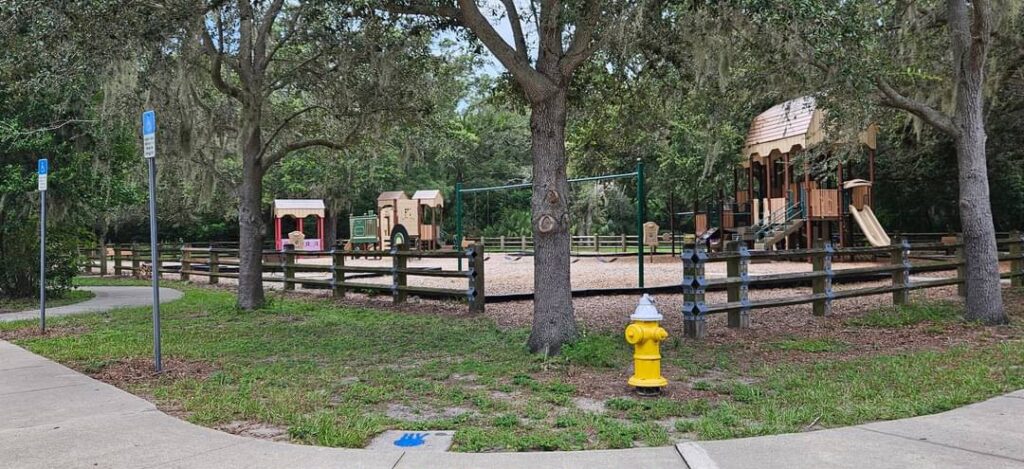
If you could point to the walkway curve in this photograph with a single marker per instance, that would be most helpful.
(52, 416)
(56, 417)
(106, 298)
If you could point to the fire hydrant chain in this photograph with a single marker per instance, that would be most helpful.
(646, 334)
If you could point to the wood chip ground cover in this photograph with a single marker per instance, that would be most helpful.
(337, 373)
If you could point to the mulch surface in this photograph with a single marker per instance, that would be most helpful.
(34, 332)
(133, 371)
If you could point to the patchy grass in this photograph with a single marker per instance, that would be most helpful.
(810, 345)
(598, 350)
(334, 375)
(908, 315)
(117, 281)
(14, 305)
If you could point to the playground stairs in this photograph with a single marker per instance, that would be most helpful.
(778, 233)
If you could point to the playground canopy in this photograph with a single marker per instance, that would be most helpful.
(298, 208)
(797, 123)
(430, 198)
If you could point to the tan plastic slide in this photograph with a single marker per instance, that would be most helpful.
(869, 225)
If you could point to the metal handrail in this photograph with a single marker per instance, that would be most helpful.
(788, 213)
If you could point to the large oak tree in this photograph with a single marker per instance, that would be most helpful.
(927, 58)
(567, 35)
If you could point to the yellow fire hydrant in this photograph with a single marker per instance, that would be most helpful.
(646, 334)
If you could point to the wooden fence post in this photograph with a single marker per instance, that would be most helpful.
(736, 269)
(821, 261)
(898, 256)
(337, 275)
(476, 294)
(398, 277)
(961, 268)
(622, 241)
(136, 263)
(522, 241)
(694, 317)
(501, 243)
(287, 266)
(214, 266)
(1017, 261)
(118, 264)
(186, 265)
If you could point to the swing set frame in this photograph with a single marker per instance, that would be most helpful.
(641, 207)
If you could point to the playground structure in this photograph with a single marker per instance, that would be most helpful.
(641, 207)
(299, 210)
(401, 220)
(776, 209)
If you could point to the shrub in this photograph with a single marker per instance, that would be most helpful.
(19, 271)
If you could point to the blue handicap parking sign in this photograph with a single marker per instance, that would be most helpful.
(148, 123)
(44, 166)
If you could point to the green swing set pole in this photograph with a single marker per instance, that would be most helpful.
(458, 219)
(641, 205)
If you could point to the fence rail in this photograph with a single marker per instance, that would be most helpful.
(215, 263)
(737, 283)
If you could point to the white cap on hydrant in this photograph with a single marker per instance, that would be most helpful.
(645, 310)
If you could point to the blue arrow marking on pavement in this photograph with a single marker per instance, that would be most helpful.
(148, 123)
(409, 440)
(44, 166)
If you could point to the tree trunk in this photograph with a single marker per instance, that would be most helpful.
(250, 220)
(970, 34)
(553, 323)
(984, 295)
(330, 229)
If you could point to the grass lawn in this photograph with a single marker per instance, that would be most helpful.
(24, 304)
(326, 374)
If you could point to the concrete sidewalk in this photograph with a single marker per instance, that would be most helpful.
(51, 416)
(106, 298)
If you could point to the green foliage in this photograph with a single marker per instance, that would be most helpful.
(19, 272)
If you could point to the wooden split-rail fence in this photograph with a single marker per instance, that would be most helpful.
(215, 263)
(738, 306)
(212, 263)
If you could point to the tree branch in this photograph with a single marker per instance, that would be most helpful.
(892, 98)
(533, 82)
(296, 146)
(292, 27)
(517, 28)
(282, 126)
(216, 67)
(263, 34)
(550, 33)
(583, 45)
(246, 64)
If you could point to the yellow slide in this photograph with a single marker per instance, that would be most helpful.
(869, 225)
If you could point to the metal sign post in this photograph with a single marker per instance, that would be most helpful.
(43, 171)
(149, 152)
